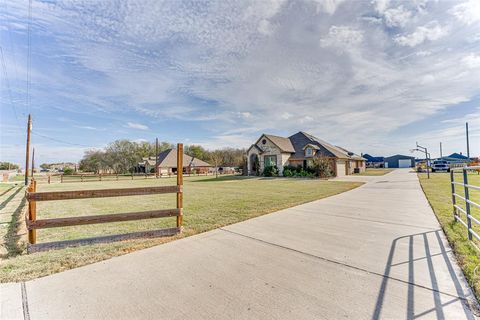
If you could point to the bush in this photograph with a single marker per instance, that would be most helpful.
(270, 171)
(288, 173)
(67, 171)
(321, 167)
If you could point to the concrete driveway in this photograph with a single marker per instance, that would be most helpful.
(376, 252)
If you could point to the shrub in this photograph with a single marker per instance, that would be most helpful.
(288, 173)
(270, 171)
(321, 167)
(67, 171)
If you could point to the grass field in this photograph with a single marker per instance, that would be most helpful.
(374, 172)
(208, 203)
(438, 192)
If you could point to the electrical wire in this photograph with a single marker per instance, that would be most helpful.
(4, 67)
(60, 141)
(29, 54)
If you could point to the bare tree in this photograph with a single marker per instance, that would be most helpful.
(217, 158)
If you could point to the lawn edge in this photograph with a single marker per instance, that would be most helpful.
(452, 245)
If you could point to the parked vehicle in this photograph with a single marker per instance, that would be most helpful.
(440, 165)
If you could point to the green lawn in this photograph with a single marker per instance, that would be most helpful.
(208, 203)
(437, 189)
(374, 172)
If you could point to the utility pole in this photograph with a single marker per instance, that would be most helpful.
(156, 157)
(441, 154)
(27, 153)
(33, 160)
(468, 143)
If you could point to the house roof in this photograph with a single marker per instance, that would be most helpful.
(399, 156)
(373, 159)
(457, 156)
(256, 147)
(334, 151)
(284, 144)
(168, 159)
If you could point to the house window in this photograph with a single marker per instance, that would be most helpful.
(270, 161)
(309, 152)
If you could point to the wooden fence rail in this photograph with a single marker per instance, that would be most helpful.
(33, 196)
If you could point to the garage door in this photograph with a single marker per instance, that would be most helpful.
(340, 169)
(404, 163)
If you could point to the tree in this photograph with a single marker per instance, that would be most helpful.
(216, 157)
(93, 161)
(67, 171)
(45, 166)
(8, 166)
(197, 152)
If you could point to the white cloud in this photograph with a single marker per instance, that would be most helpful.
(380, 5)
(467, 12)
(397, 17)
(342, 37)
(134, 125)
(328, 6)
(429, 32)
(423, 53)
(265, 27)
(472, 60)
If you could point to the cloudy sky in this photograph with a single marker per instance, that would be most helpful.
(371, 76)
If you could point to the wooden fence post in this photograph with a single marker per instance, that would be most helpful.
(61, 178)
(49, 179)
(100, 177)
(180, 184)
(32, 213)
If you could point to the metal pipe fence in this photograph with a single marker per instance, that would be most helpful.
(470, 221)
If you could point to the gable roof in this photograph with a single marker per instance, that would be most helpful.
(370, 158)
(256, 147)
(168, 159)
(457, 156)
(301, 138)
(284, 144)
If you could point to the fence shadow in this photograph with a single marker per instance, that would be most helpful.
(10, 197)
(16, 231)
(225, 178)
(438, 309)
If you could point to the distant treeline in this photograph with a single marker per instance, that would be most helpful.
(122, 156)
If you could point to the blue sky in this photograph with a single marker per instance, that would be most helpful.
(371, 76)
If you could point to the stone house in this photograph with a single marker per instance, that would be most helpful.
(299, 150)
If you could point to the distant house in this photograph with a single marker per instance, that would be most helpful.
(399, 161)
(167, 163)
(61, 166)
(299, 150)
(374, 162)
(456, 158)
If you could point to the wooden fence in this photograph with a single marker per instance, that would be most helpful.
(60, 178)
(33, 223)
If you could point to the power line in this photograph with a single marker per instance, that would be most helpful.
(29, 50)
(4, 67)
(60, 141)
